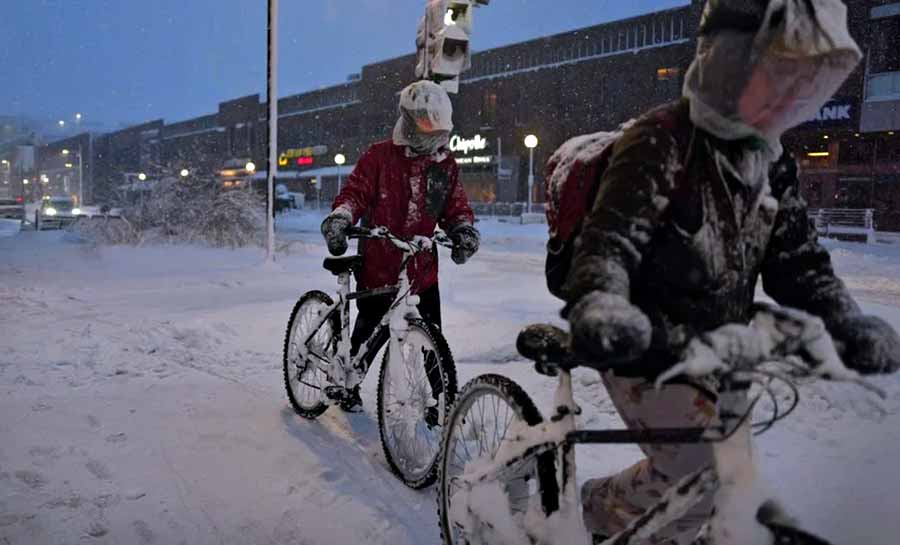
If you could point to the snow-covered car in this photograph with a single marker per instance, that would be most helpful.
(56, 213)
(13, 209)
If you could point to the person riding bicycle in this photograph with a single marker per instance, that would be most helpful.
(697, 202)
(409, 184)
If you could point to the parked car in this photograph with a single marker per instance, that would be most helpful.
(13, 209)
(56, 213)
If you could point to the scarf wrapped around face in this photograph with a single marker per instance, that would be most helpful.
(425, 118)
(765, 66)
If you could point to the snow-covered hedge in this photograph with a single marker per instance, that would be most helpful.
(193, 210)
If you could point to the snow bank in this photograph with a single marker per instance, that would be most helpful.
(9, 228)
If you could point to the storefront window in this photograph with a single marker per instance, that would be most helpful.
(854, 193)
(885, 46)
(489, 109)
(856, 152)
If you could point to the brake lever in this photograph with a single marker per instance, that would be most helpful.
(443, 239)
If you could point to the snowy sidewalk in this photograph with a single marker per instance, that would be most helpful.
(141, 400)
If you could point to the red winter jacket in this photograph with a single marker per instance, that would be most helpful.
(409, 196)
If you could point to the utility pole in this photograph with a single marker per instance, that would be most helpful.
(272, 96)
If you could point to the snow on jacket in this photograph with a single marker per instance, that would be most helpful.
(677, 231)
(409, 195)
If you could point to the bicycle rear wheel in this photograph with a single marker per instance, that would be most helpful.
(305, 383)
(484, 416)
(414, 396)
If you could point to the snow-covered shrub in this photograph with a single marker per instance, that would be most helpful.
(107, 230)
(195, 209)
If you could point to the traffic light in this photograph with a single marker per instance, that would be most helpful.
(442, 41)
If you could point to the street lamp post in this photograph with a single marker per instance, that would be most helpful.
(80, 174)
(339, 160)
(531, 142)
(8, 166)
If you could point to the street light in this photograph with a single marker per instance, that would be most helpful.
(77, 117)
(531, 142)
(66, 152)
(339, 160)
(142, 177)
(250, 167)
(62, 123)
(185, 173)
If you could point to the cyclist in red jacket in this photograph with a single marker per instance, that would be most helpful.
(409, 184)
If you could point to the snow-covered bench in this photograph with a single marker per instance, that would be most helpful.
(844, 223)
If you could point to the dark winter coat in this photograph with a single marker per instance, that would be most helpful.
(680, 235)
(409, 196)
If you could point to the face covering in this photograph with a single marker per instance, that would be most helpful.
(764, 67)
(425, 118)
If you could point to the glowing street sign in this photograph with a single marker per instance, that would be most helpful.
(466, 145)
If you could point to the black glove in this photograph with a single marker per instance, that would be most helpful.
(867, 344)
(334, 229)
(465, 243)
(609, 328)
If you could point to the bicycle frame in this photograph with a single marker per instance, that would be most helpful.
(560, 434)
(349, 371)
(800, 346)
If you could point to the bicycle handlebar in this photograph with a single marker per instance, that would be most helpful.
(416, 244)
(792, 339)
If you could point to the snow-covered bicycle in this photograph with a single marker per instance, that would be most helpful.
(417, 381)
(508, 477)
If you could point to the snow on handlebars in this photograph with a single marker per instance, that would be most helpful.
(414, 245)
(790, 338)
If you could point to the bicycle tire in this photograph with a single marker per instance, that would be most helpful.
(525, 409)
(310, 297)
(447, 375)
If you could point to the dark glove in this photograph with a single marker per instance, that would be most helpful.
(609, 328)
(867, 344)
(465, 243)
(334, 229)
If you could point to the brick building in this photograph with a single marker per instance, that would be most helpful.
(553, 87)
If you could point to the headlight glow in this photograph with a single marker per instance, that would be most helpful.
(50, 211)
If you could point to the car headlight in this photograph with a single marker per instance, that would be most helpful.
(50, 211)
(76, 211)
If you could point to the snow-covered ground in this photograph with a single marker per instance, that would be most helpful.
(141, 399)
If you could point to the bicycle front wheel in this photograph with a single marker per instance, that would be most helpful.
(415, 393)
(487, 413)
(305, 382)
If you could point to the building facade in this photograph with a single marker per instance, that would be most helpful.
(554, 87)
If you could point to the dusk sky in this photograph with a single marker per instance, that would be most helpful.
(132, 60)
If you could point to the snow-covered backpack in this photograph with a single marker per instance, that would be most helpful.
(574, 172)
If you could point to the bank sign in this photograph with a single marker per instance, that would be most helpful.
(834, 113)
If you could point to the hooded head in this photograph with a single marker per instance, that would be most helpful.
(425, 118)
(765, 66)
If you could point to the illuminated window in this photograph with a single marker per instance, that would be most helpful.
(664, 74)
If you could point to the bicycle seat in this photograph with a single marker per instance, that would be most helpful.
(341, 265)
(547, 346)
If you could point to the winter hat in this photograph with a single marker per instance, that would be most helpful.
(764, 66)
(426, 118)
